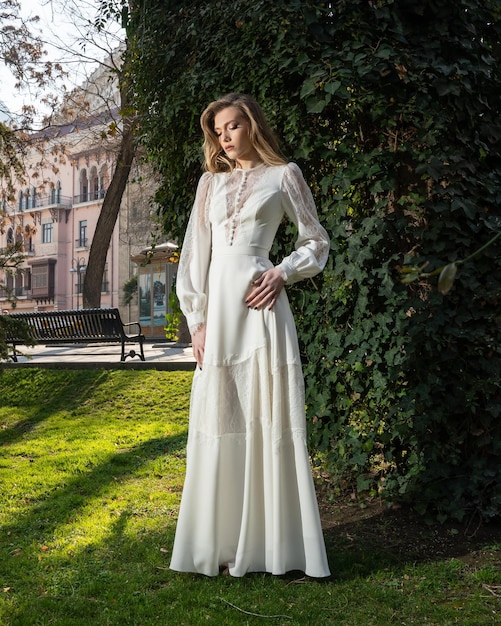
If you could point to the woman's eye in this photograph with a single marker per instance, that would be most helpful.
(234, 127)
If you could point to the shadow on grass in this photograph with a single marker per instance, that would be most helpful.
(45, 395)
(125, 578)
(359, 541)
(63, 503)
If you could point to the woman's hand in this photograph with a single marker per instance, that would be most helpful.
(198, 344)
(266, 289)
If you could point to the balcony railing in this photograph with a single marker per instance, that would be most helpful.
(90, 196)
(18, 292)
(52, 200)
(41, 202)
(27, 250)
(22, 292)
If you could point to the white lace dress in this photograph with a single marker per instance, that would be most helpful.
(248, 501)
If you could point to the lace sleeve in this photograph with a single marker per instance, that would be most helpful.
(191, 282)
(312, 245)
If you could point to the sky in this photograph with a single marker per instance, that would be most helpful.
(62, 31)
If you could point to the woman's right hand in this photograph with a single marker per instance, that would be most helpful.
(198, 344)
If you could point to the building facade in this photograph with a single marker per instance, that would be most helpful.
(69, 167)
(54, 218)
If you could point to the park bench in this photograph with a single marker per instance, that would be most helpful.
(82, 326)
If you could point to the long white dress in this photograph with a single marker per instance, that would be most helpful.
(248, 500)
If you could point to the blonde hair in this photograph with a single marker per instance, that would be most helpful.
(261, 136)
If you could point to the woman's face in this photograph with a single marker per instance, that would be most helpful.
(232, 129)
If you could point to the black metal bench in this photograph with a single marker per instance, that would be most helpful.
(82, 326)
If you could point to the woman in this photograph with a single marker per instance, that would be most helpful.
(248, 502)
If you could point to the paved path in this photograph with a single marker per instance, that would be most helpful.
(161, 356)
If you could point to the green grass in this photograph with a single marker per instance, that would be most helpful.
(91, 472)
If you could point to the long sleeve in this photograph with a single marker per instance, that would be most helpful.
(191, 283)
(312, 245)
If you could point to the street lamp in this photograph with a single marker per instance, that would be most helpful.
(78, 266)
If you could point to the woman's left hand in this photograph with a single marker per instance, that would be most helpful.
(266, 289)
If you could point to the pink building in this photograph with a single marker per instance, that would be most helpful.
(68, 169)
(55, 216)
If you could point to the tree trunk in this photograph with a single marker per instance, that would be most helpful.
(107, 220)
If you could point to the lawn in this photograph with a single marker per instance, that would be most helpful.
(91, 472)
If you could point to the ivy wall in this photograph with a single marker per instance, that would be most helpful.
(392, 110)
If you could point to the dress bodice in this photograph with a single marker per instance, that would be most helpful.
(246, 207)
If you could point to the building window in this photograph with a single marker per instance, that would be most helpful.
(94, 184)
(84, 187)
(80, 281)
(103, 181)
(95, 188)
(10, 237)
(42, 279)
(20, 283)
(39, 277)
(82, 234)
(9, 283)
(105, 285)
(47, 232)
